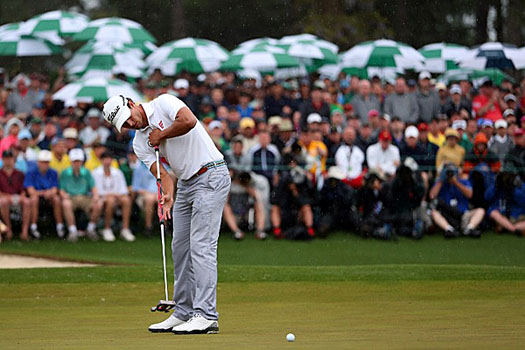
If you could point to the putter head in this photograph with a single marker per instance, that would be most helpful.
(164, 306)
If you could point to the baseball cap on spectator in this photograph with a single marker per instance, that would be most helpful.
(93, 113)
(8, 154)
(44, 156)
(336, 111)
(510, 97)
(411, 131)
(275, 120)
(502, 123)
(318, 85)
(455, 89)
(181, 84)
(335, 172)
(449, 132)
(348, 107)
(411, 83)
(373, 113)
(76, 154)
(314, 118)
(385, 136)
(459, 124)
(480, 138)
(286, 125)
(424, 75)
(487, 124)
(422, 127)
(24, 134)
(70, 133)
(518, 132)
(215, 124)
(386, 117)
(247, 122)
(440, 86)
(56, 140)
(12, 122)
(507, 112)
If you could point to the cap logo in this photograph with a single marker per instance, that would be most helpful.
(113, 114)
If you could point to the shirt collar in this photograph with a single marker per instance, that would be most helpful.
(148, 109)
(501, 139)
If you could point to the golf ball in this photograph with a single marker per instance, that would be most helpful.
(290, 337)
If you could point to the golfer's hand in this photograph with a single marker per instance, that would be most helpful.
(155, 137)
(166, 201)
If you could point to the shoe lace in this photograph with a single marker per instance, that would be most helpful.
(195, 317)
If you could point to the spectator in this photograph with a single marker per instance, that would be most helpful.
(397, 127)
(430, 148)
(276, 103)
(373, 120)
(443, 95)
(487, 104)
(22, 99)
(501, 143)
(60, 160)
(182, 90)
(427, 98)
(373, 219)
(411, 147)
(265, 158)
(42, 186)
(516, 157)
(314, 105)
(77, 191)
(28, 153)
(365, 137)
(11, 130)
(364, 102)
(144, 185)
(456, 102)
(111, 186)
(434, 134)
(243, 107)
(451, 152)
(383, 157)
(315, 153)
(460, 126)
(402, 104)
(50, 131)
(118, 144)
(236, 158)
(94, 158)
(350, 159)
(480, 154)
(285, 138)
(94, 131)
(216, 131)
(71, 137)
(450, 211)
(12, 195)
(487, 127)
(469, 134)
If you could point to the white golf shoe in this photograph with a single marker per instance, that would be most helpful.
(126, 235)
(108, 235)
(197, 325)
(165, 326)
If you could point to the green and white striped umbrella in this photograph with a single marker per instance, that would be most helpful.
(441, 57)
(474, 75)
(14, 44)
(10, 27)
(382, 54)
(263, 58)
(61, 23)
(310, 50)
(96, 90)
(189, 54)
(250, 44)
(333, 70)
(105, 59)
(114, 29)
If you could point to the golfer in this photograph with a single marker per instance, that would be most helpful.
(202, 188)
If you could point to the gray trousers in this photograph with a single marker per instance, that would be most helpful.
(197, 215)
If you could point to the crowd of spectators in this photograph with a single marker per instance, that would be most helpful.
(307, 157)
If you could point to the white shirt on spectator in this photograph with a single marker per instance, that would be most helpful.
(115, 183)
(383, 160)
(186, 154)
(350, 159)
(88, 135)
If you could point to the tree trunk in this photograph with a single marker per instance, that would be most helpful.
(482, 11)
(514, 34)
(177, 20)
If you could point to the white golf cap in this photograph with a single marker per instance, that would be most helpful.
(507, 112)
(215, 124)
(411, 131)
(70, 133)
(93, 113)
(455, 89)
(181, 84)
(116, 111)
(510, 97)
(441, 86)
(501, 123)
(386, 117)
(76, 154)
(336, 173)
(314, 118)
(44, 156)
(459, 124)
(424, 75)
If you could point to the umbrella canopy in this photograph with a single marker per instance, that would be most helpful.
(382, 54)
(96, 90)
(190, 54)
(440, 57)
(105, 59)
(10, 27)
(333, 70)
(474, 75)
(265, 58)
(494, 55)
(114, 29)
(56, 23)
(14, 44)
(310, 50)
(250, 44)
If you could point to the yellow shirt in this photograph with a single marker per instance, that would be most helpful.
(93, 162)
(447, 154)
(439, 141)
(314, 156)
(59, 165)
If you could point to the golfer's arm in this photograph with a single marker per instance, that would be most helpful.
(184, 122)
(165, 178)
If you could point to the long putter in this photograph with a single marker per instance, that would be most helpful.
(164, 305)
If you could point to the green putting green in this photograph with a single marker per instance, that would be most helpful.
(340, 293)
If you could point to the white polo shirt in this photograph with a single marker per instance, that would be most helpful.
(187, 153)
(350, 159)
(384, 160)
(115, 183)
